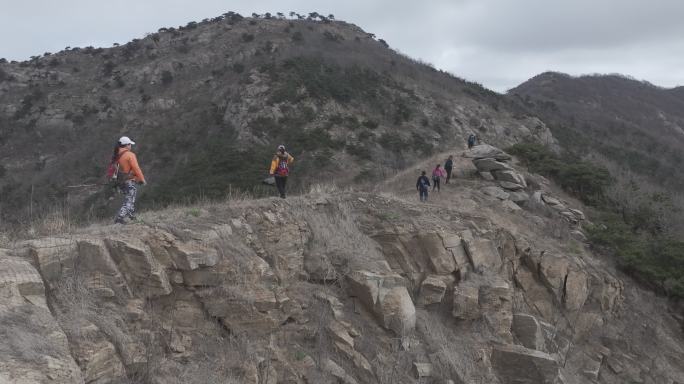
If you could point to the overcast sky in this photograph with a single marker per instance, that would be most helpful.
(499, 43)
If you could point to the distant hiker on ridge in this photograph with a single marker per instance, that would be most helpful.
(471, 141)
(423, 185)
(124, 169)
(437, 175)
(280, 169)
(448, 167)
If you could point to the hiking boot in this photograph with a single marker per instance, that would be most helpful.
(119, 220)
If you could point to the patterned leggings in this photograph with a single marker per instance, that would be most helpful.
(130, 190)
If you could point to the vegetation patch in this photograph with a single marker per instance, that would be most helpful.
(633, 230)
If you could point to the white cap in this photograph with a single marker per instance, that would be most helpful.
(124, 140)
(281, 147)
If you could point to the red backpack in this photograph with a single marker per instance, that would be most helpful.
(282, 168)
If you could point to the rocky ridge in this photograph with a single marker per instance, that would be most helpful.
(329, 287)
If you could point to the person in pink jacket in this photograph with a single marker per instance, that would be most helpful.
(437, 175)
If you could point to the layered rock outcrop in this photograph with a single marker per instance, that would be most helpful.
(324, 289)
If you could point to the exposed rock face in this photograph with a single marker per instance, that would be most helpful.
(432, 290)
(230, 296)
(34, 347)
(466, 302)
(481, 252)
(517, 365)
(510, 176)
(490, 164)
(528, 331)
(486, 151)
(385, 295)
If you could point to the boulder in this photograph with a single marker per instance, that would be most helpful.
(550, 200)
(578, 214)
(576, 289)
(396, 310)
(337, 372)
(432, 291)
(508, 204)
(537, 198)
(483, 151)
(482, 253)
(510, 176)
(490, 164)
(363, 368)
(339, 333)
(520, 197)
(145, 276)
(466, 302)
(387, 297)
(441, 260)
(188, 257)
(515, 364)
(94, 258)
(496, 192)
(460, 256)
(55, 257)
(528, 331)
(366, 285)
(34, 348)
(421, 370)
(507, 185)
(486, 176)
(495, 297)
(569, 217)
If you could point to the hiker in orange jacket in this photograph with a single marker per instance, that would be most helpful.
(130, 175)
(280, 168)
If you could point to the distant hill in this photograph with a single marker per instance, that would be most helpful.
(636, 125)
(208, 103)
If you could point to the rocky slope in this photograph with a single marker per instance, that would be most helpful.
(208, 103)
(332, 286)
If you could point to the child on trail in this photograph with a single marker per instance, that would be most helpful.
(423, 185)
(437, 175)
(280, 169)
(448, 167)
(128, 176)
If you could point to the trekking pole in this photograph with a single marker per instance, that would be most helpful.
(84, 185)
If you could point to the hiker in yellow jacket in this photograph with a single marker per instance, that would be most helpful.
(280, 168)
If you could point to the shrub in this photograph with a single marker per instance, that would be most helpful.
(583, 179)
(657, 261)
(166, 77)
(324, 81)
(238, 67)
(370, 124)
(108, 68)
(247, 37)
(297, 37)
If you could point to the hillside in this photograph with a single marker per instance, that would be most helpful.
(208, 103)
(633, 124)
(338, 287)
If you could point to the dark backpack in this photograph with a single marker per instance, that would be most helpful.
(424, 182)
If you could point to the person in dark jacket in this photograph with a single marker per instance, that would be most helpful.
(423, 186)
(471, 141)
(448, 167)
